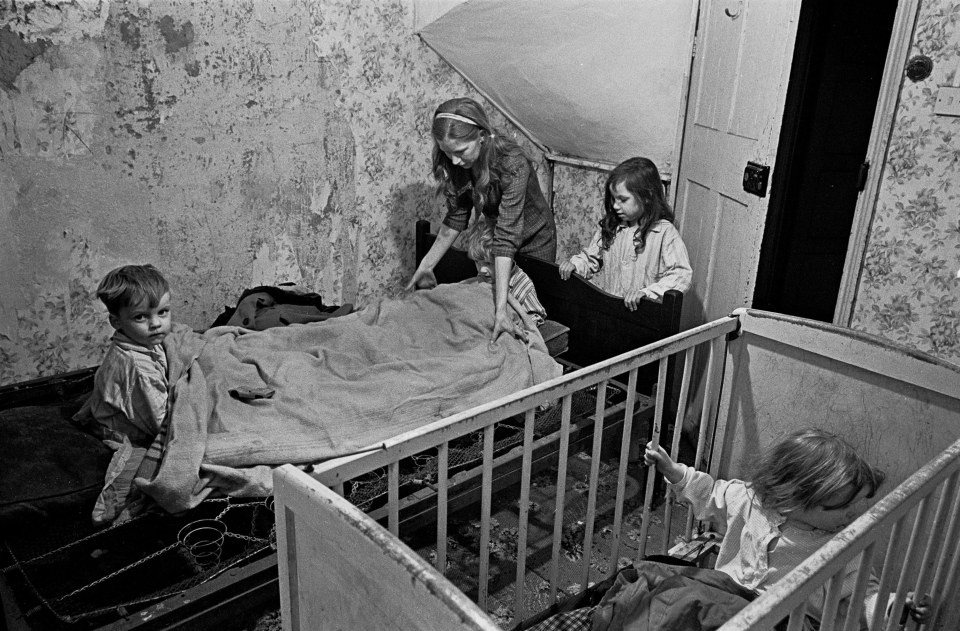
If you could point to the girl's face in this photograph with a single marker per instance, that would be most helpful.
(144, 324)
(836, 513)
(463, 153)
(627, 206)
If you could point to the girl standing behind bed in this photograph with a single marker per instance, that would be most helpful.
(478, 169)
(637, 252)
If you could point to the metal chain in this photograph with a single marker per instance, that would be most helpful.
(120, 571)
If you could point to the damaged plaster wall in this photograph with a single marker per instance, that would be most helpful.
(231, 143)
(204, 138)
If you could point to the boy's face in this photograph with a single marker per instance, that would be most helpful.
(837, 512)
(143, 324)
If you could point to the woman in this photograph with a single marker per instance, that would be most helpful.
(479, 169)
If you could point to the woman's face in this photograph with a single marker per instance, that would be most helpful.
(463, 153)
(627, 206)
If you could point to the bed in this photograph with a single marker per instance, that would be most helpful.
(765, 374)
(59, 535)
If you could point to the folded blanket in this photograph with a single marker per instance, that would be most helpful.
(339, 387)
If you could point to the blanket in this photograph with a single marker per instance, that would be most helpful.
(333, 388)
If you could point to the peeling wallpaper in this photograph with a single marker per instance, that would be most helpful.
(908, 288)
(231, 143)
(235, 143)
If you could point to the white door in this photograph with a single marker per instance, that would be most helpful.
(738, 86)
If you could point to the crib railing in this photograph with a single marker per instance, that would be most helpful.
(710, 338)
(928, 563)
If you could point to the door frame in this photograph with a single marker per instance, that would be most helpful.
(901, 39)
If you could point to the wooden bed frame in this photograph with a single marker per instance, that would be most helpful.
(599, 327)
(767, 375)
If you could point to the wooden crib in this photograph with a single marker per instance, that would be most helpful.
(763, 375)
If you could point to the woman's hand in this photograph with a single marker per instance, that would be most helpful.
(655, 455)
(566, 269)
(422, 279)
(504, 322)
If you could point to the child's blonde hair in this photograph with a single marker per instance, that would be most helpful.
(805, 468)
(477, 239)
(131, 285)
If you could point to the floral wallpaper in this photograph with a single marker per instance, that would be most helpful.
(909, 291)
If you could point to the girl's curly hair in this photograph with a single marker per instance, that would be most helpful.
(642, 180)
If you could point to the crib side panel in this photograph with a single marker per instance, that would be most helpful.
(339, 569)
(897, 407)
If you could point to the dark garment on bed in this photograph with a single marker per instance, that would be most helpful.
(265, 307)
(655, 597)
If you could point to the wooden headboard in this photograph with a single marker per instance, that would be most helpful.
(600, 324)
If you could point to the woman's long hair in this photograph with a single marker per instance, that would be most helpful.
(485, 171)
(642, 180)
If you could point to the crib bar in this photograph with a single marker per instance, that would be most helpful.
(485, 506)
(712, 382)
(948, 561)
(594, 483)
(945, 503)
(524, 513)
(443, 483)
(393, 498)
(651, 469)
(675, 442)
(832, 603)
(852, 622)
(625, 447)
(561, 492)
(886, 577)
(796, 618)
(911, 556)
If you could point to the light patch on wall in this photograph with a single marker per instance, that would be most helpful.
(278, 261)
(320, 197)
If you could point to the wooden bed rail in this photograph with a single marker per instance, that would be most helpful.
(930, 560)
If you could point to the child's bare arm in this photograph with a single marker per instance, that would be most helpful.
(656, 455)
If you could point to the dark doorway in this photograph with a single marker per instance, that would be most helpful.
(834, 84)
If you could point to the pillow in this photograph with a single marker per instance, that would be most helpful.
(49, 468)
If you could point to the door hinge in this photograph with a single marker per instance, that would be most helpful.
(862, 176)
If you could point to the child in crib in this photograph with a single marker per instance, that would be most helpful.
(522, 296)
(805, 488)
(637, 252)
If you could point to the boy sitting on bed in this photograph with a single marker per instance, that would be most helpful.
(129, 401)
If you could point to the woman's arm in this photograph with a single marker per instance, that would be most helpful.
(423, 277)
(503, 322)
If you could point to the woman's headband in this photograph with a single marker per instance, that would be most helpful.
(457, 117)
